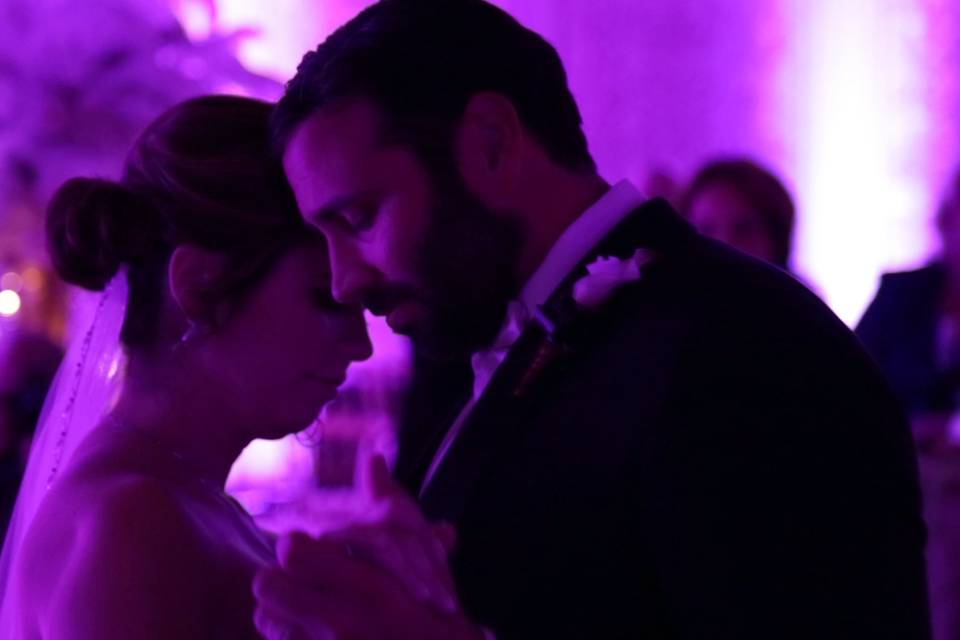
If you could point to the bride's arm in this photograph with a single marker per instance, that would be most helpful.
(134, 571)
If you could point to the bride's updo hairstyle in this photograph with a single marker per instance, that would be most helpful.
(201, 174)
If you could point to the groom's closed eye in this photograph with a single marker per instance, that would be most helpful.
(360, 216)
(355, 211)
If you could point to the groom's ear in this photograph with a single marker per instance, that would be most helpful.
(489, 146)
(193, 276)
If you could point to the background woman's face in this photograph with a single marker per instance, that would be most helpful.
(720, 212)
(284, 351)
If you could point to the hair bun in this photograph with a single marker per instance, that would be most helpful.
(96, 226)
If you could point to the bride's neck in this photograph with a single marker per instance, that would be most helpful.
(183, 416)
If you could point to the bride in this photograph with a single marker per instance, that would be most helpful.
(218, 299)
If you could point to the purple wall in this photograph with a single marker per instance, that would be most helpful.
(852, 102)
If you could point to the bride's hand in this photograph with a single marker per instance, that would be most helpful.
(396, 537)
(320, 591)
(417, 558)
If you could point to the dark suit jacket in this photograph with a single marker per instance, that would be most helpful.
(716, 457)
(899, 329)
(433, 399)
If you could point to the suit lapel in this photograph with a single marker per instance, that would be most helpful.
(475, 438)
(466, 449)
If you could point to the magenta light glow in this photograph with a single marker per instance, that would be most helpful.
(865, 132)
(852, 102)
(9, 303)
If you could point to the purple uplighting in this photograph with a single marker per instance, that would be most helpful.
(852, 103)
(387, 314)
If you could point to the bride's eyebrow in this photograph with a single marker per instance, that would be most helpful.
(338, 204)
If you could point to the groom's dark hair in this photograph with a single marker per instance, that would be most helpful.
(420, 61)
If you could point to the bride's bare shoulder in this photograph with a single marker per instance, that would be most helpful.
(89, 499)
(103, 538)
(109, 493)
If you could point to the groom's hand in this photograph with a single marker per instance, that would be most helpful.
(393, 534)
(386, 576)
(322, 590)
(418, 559)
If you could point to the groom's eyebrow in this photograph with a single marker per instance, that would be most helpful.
(336, 205)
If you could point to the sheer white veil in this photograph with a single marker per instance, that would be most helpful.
(84, 390)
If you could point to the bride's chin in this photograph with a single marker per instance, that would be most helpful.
(281, 426)
(299, 414)
(279, 432)
(309, 417)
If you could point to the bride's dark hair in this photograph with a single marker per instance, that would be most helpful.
(202, 174)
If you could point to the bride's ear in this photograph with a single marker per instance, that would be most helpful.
(193, 276)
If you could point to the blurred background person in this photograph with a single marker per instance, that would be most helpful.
(912, 329)
(28, 364)
(742, 204)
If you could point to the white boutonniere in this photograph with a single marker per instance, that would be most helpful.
(605, 275)
(562, 323)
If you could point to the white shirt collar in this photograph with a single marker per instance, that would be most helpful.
(572, 247)
(577, 241)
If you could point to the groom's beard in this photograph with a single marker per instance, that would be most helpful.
(467, 271)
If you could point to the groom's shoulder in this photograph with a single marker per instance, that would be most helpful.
(706, 299)
(706, 275)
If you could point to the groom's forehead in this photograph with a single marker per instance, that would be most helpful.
(338, 157)
(336, 134)
(333, 148)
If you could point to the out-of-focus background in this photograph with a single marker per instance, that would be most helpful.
(853, 104)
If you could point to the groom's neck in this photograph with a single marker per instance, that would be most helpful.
(553, 201)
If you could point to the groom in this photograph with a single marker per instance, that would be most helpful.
(666, 438)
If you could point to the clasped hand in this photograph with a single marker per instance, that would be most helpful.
(385, 576)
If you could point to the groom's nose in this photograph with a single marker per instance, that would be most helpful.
(352, 275)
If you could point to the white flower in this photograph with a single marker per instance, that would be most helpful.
(605, 275)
